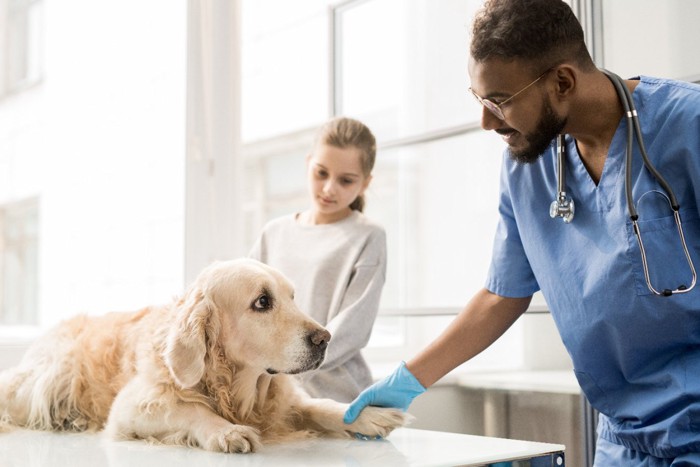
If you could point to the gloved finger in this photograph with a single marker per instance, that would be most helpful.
(354, 410)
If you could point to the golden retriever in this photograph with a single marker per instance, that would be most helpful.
(210, 370)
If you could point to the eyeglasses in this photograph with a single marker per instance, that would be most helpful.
(496, 108)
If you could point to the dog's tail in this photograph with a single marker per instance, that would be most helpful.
(7, 378)
(40, 395)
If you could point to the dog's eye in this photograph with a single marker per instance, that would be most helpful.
(262, 303)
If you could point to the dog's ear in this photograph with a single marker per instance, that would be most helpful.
(186, 344)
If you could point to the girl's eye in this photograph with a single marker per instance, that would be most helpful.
(346, 181)
(262, 303)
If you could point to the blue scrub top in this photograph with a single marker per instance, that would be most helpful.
(636, 355)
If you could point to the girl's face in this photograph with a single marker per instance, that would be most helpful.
(335, 179)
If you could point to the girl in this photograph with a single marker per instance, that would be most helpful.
(334, 255)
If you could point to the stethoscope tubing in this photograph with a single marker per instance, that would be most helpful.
(634, 131)
(563, 206)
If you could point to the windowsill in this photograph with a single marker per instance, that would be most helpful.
(549, 381)
(558, 381)
(14, 342)
(535, 308)
(19, 334)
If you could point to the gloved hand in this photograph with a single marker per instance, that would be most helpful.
(396, 390)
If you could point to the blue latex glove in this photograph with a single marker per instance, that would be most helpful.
(396, 390)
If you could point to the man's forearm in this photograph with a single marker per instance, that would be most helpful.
(485, 318)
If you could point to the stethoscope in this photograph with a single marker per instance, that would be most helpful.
(563, 205)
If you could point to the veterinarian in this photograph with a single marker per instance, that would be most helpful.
(629, 317)
(334, 255)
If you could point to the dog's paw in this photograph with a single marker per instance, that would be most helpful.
(379, 421)
(235, 438)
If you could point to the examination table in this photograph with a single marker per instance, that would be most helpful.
(404, 447)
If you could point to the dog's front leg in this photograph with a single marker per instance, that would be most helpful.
(144, 411)
(373, 421)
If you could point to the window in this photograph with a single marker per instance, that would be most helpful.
(19, 263)
(22, 54)
(396, 65)
(438, 203)
(98, 144)
(401, 67)
(284, 66)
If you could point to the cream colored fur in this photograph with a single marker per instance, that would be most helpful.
(210, 370)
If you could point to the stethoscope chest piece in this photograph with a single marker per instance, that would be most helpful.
(563, 205)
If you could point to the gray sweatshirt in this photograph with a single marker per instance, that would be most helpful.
(338, 271)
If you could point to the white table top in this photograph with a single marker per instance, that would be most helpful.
(404, 447)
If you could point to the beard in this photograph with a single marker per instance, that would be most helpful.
(539, 140)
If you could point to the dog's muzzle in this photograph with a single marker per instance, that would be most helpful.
(317, 343)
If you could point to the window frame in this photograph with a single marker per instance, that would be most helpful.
(24, 52)
(24, 245)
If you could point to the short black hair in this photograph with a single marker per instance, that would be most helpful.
(541, 32)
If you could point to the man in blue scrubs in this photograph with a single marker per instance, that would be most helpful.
(636, 354)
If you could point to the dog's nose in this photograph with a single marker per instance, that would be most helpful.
(320, 338)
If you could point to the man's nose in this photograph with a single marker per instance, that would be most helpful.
(488, 120)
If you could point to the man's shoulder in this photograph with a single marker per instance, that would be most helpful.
(666, 98)
(668, 86)
(659, 81)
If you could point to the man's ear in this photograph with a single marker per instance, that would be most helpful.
(566, 78)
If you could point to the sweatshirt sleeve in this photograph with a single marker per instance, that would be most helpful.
(352, 326)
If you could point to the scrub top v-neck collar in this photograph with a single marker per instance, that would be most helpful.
(598, 197)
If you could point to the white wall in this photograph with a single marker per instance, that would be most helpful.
(101, 142)
(214, 226)
(652, 38)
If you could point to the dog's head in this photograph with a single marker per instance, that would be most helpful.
(248, 309)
